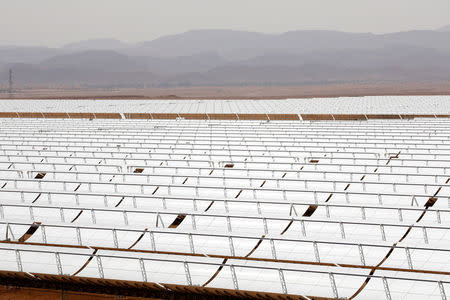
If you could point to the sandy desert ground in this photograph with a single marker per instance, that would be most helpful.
(247, 92)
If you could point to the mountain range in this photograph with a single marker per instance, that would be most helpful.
(226, 57)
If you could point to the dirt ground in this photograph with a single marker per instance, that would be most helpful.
(248, 92)
(15, 293)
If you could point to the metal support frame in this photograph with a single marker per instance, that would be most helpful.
(94, 221)
(386, 289)
(144, 273)
(18, 261)
(425, 235)
(125, 217)
(442, 290)
(229, 224)
(194, 223)
(61, 214)
(8, 232)
(316, 251)
(30, 209)
(100, 266)
(383, 233)
(408, 258)
(58, 263)
(274, 251)
(234, 277)
(341, 226)
(115, 240)
(266, 229)
(187, 273)
(333, 285)
(282, 281)
(231, 244)
(80, 242)
(361, 254)
(43, 234)
(303, 228)
(152, 241)
(159, 220)
(191, 243)
(363, 213)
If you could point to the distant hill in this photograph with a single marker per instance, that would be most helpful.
(13, 54)
(102, 60)
(184, 64)
(198, 41)
(97, 44)
(32, 75)
(234, 45)
(227, 57)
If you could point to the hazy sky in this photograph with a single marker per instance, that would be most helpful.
(56, 22)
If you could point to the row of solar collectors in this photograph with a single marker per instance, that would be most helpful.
(156, 171)
(277, 150)
(230, 128)
(196, 127)
(307, 192)
(369, 105)
(77, 155)
(195, 233)
(89, 200)
(223, 224)
(395, 124)
(243, 183)
(234, 273)
(294, 130)
(386, 221)
(288, 182)
(241, 146)
(225, 190)
(303, 174)
(430, 144)
(381, 127)
(233, 224)
(198, 183)
(229, 152)
(371, 200)
(335, 228)
(340, 152)
(207, 243)
(367, 191)
(188, 166)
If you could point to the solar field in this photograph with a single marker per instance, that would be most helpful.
(276, 199)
